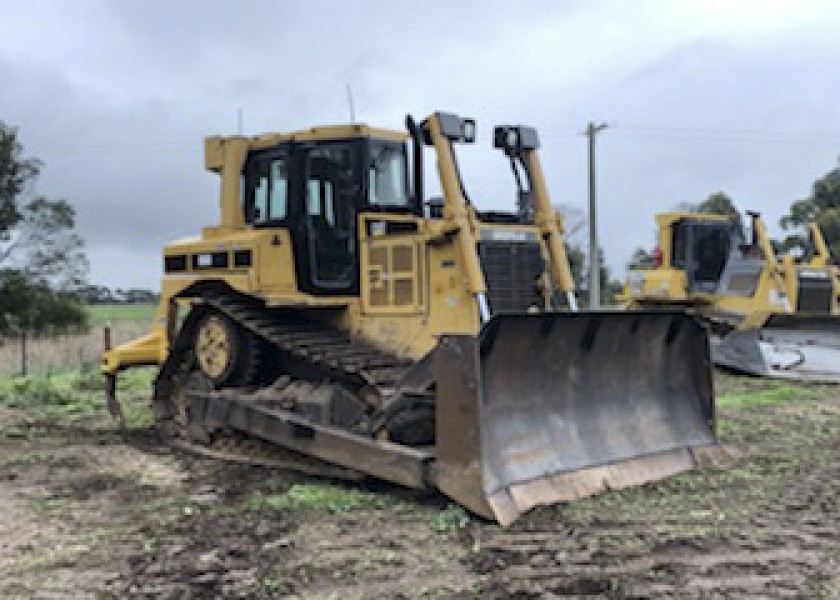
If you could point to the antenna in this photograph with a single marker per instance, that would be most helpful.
(239, 121)
(350, 104)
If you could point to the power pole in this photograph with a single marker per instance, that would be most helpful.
(594, 264)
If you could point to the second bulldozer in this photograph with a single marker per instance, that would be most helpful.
(336, 313)
(768, 317)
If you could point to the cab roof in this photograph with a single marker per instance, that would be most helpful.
(670, 217)
(330, 132)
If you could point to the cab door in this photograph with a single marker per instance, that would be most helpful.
(266, 207)
(332, 194)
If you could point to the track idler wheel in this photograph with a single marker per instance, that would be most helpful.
(225, 353)
(171, 411)
(413, 427)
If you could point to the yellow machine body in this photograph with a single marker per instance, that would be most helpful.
(452, 296)
(771, 317)
(414, 286)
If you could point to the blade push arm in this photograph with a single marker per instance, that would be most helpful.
(520, 144)
(785, 274)
(822, 256)
(762, 240)
(443, 129)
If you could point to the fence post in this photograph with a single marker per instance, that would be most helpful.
(114, 406)
(23, 357)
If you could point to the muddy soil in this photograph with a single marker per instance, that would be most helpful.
(89, 512)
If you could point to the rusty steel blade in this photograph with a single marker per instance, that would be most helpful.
(546, 408)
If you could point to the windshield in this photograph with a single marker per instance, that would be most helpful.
(387, 174)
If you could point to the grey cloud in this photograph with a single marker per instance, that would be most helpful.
(116, 98)
(722, 110)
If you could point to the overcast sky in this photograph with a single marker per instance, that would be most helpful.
(116, 96)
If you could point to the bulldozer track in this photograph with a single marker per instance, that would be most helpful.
(330, 353)
(255, 453)
(333, 351)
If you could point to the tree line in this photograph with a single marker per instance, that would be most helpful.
(101, 294)
(42, 259)
(43, 266)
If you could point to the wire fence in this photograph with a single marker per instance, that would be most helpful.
(47, 354)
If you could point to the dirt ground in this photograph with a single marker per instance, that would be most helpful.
(90, 512)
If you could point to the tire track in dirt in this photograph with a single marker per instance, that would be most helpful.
(726, 537)
(134, 519)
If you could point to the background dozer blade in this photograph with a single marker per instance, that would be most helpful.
(789, 346)
(545, 408)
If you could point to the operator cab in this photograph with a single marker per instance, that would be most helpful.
(316, 189)
(716, 257)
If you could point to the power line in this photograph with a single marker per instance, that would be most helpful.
(728, 130)
(734, 138)
(754, 136)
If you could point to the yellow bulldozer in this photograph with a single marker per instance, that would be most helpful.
(337, 313)
(816, 255)
(768, 317)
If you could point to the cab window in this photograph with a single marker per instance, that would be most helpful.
(679, 241)
(387, 175)
(279, 201)
(319, 200)
(261, 200)
(267, 190)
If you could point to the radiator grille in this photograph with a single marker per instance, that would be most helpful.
(512, 270)
(814, 294)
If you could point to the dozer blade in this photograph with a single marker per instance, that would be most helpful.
(789, 346)
(540, 409)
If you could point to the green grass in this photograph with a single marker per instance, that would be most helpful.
(76, 395)
(775, 392)
(21, 459)
(64, 384)
(318, 497)
(104, 314)
(450, 519)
